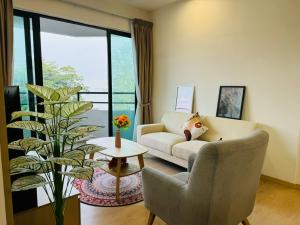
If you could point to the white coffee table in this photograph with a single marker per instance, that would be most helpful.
(128, 149)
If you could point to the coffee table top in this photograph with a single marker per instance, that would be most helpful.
(128, 148)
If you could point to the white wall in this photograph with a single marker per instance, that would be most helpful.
(102, 16)
(254, 43)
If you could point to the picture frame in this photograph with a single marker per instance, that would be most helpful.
(184, 99)
(231, 102)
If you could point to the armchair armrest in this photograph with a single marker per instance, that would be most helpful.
(149, 128)
(191, 161)
(161, 191)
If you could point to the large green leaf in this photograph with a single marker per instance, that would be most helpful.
(75, 154)
(34, 167)
(66, 123)
(48, 130)
(84, 173)
(93, 163)
(17, 171)
(51, 108)
(15, 145)
(66, 93)
(18, 114)
(80, 139)
(28, 125)
(24, 162)
(90, 148)
(46, 167)
(28, 182)
(74, 135)
(72, 109)
(84, 129)
(65, 161)
(42, 167)
(80, 132)
(28, 144)
(46, 93)
(46, 151)
(33, 144)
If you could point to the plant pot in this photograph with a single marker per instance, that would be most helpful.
(118, 139)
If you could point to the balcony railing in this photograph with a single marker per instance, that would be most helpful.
(106, 93)
(101, 114)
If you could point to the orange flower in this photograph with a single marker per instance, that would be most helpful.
(121, 121)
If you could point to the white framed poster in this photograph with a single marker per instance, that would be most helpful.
(184, 99)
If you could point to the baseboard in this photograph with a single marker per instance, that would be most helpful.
(285, 183)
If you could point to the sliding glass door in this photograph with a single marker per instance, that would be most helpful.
(123, 80)
(60, 53)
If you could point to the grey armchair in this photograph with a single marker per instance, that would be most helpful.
(220, 189)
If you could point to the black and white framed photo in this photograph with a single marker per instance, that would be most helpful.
(230, 102)
(184, 99)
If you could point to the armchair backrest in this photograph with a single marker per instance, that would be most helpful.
(224, 179)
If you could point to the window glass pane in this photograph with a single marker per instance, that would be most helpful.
(19, 65)
(76, 55)
(20, 73)
(123, 80)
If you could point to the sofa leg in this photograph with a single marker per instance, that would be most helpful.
(151, 218)
(245, 222)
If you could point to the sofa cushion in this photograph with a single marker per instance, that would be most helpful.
(174, 122)
(185, 149)
(226, 129)
(161, 141)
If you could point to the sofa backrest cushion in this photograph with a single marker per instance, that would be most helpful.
(174, 122)
(226, 129)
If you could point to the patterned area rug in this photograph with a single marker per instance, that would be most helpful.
(102, 190)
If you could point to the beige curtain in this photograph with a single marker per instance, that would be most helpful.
(6, 40)
(143, 42)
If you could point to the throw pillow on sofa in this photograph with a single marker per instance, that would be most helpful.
(194, 127)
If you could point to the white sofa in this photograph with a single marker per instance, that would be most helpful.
(166, 140)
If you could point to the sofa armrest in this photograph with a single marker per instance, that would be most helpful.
(149, 128)
(161, 191)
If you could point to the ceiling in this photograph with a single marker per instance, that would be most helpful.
(148, 4)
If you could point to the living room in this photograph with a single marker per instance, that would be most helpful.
(131, 58)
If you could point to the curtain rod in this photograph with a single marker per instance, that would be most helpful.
(97, 10)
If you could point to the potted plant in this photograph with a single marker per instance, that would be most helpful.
(120, 122)
(56, 160)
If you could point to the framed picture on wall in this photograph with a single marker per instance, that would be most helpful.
(230, 102)
(184, 99)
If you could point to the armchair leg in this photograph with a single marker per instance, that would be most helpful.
(245, 222)
(151, 218)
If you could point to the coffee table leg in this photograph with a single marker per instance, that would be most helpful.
(118, 179)
(141, 161)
